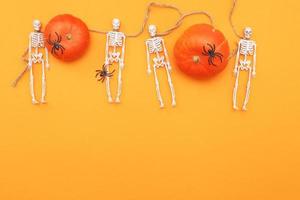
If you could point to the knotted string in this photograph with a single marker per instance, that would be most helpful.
(14, 84)
(182, 16)
(231, 21)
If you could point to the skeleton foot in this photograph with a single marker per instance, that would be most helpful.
(173, 103)
(162, 105)
(34, 101)
(110, 100)
(43, 101)
(244, 108)
(235, 107)
(118, 100)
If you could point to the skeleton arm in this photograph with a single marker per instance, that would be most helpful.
(148, 58)
(29, 51)
(254, 61)
(47, 58)
(167, 56)
(123, 52)
(107, 49)
(237, 59)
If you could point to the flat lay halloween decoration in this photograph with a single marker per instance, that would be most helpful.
(245, 61)
(202, 51)
(35, 54)
(67, 37)
(114, 54)
(156, 46)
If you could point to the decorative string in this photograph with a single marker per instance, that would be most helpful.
(181, 19)
(182, 16)
(231, 21)
(146, 18)
(15, 83)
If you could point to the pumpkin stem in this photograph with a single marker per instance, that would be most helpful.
(196, 59)
(69, 36)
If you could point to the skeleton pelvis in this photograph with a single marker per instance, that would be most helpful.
(114, 57)
(245, 65)
(159, 62)
(37, 58)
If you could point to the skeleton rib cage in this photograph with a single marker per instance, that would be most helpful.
(37, 40)
(155, 45)
(115, 39)
(247, 47)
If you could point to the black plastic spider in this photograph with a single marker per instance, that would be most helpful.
(103, 73)
(56, 46)
(212, 54)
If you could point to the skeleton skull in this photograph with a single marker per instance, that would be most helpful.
(152, 30)
(37, 25)
(116, 24)
(247, 32)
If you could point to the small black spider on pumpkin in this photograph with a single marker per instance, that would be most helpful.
(212, 54)
(56, 46)
(103, 73)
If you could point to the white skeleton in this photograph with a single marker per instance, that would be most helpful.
(245, 61)
(114, 53)
(156, 46)
(35, 56)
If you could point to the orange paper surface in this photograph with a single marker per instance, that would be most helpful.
(79, 147)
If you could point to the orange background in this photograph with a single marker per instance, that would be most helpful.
(81, 148)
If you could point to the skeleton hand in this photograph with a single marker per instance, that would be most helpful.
(253, 74)
(48, 66)
(235, 72)
(29, 63)
(122, 65)
(149, 71)
(169, 66)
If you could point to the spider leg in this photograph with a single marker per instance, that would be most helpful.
(205, 53)
(209, 61)
(220, 57)
(50, 42)
(219, 54)
(57, 37)
(210, 46)
(212, 61)
(61, 49)
(52, 50)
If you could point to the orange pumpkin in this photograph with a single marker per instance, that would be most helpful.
(67, 37)
(202, 51)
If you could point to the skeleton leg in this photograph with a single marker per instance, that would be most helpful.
(108, 92)
(31, 83)
(247, 91)
(43, 99)
(157, 87)
(119, 91)
(235, 107)
(171, 87)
